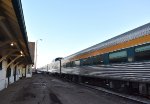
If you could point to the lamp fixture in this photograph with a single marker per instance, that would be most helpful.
(12, 44)
(21, 52)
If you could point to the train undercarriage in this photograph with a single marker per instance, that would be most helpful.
(126, 87)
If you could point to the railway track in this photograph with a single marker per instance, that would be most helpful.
(137, 99)
(130, 97)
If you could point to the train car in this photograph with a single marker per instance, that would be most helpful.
(121, 63)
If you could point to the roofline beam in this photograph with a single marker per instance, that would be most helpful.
(13, 61)
(17, 63)
(2, 24)
(5, 56)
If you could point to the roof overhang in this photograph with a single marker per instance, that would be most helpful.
(13, 35)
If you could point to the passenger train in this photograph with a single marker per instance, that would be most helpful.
(121, 63)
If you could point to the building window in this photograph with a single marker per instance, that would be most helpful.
(28, 71)
(8, 72)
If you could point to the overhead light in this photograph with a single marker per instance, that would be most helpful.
(21, 52)
(12, 44)
(21, 55)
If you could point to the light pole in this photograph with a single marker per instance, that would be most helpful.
(47, 67)
(36, 54)
(60, 66)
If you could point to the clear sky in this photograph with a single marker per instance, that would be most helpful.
(68, 26)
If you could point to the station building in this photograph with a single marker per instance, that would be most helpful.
(17, 54)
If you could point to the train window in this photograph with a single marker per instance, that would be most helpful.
(77, 62)
(142, 53)
(67, 64)
(119, 54)
(84, 61)
(88, 61)
(71, 64)
(118, 57)
(142, 48)
(94, 60)
(97, 59)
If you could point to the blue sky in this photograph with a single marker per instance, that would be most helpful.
(68, 26)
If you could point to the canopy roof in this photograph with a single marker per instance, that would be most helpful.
(13, 35)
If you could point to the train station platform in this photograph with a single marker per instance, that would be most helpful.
(44, 89)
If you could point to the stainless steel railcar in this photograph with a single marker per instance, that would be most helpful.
(122, 63)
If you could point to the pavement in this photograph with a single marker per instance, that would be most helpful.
(44, 89)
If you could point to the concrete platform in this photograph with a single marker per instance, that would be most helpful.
(43, 89)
